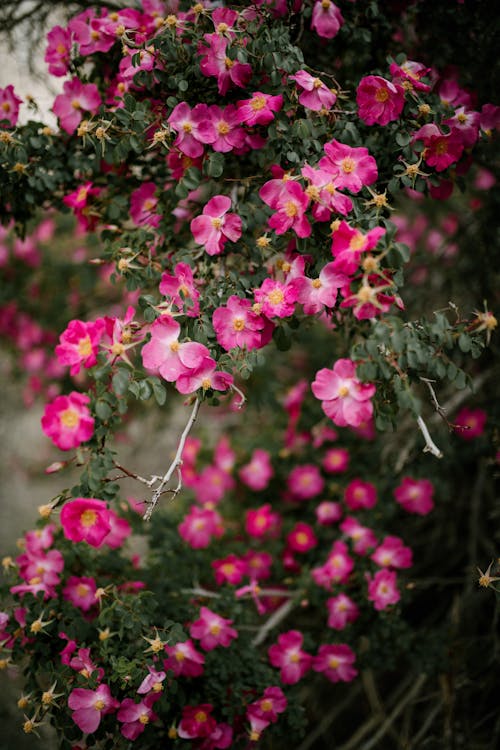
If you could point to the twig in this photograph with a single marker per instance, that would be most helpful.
(198, 591)
(148, 482)
(328, 719)
(277, 616)
(439, 409)
(174, 466)
(430, 446)
(386, 726)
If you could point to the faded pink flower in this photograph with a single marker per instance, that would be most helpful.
(67, 421)
(9, 106)
(184, 660)
(363, 538)
(305, 482)
(143, 205)
(86, 519)
(336, 460)
(415, 495)
(382, 589)
(80, 591)
(165, 354)
(199, 526)
(336, 569)
(258, 472)
(392, 553)
(153, 682)
(135, 716)
(326, 19)
(215, 226)
(344, 398)
(328, 512)
(335, 662)
(341, 611)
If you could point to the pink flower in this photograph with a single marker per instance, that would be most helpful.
(258, 564)
(440, 149)
(135, 716)
(216, 62)
(236, 325)
(335, 662)
(262, 522)
(336, 460)
(291, 205)
(326, 19)
(212, 484)
(57, 54)
(80, 592)
(260, 109)
(79, 344)
(305, 482)
(353, 168)
(204, 376)
(382, 589)
(336, 569)
(276, 299)
(196, 721)
(143, 205)
(212, 630)
(379, 101)
(287, 654)
(194, 128)
(258, 472)
(67, 421)
(199, 526)
(301, 538)
(341, 611)
(349, 243)
(184, 660)
(409, 75)
(153, 682)
(362, 537)
(164, 353)
(80, 201)
(9, 106)
(230, 569)
(393, 553)
(86, 520)
(89, 706)
(469, 423)
(77, 98)
(344, 398)
(415, 495)
(120, 530)
(272, 703)
(315, 94)
(328, 512)
(316, 294)
(322, 190)
(82, 662)
(359, 494)
(215, 226)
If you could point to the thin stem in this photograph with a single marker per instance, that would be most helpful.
(277, 616)
(174, 466)
(430, 445)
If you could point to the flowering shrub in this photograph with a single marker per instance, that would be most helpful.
(243, 201)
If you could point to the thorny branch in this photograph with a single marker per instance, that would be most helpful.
(430, 445)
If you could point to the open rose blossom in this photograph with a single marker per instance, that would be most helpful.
(344, 398)
(89, 706)
(86, 519)
(67, 421)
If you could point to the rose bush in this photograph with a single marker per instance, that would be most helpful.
(235, 184)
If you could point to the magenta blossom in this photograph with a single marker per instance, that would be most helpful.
(315, 94)
(194, 128)
(237, 325)
(341, 611)
(79, 344)
(382, 589)
(81, 592)
(469, 423)
(9, 106)
(143, 205)
(359, 494)
(440, 149)
(216, 62)
(165, 354)
(305, 482)
(215, 226)
(67, 421)
(230, 569)
(86, 519)
(326, 19)
(392, 553)
(57, 54)
(260, 109)
(352, 167)
(199, 526)
(89, 706)
(415, 495)
(183, 659)
(335, 662)
(288, 655)
(180, 289)
(77, 98)
(379, 101)
(262, 522)
(301, 538)
(344, 398)
(212, 630)
(275, 299)
(135, 716)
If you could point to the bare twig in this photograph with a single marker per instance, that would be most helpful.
(174, 466)
(277, 616)
(430, 446)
